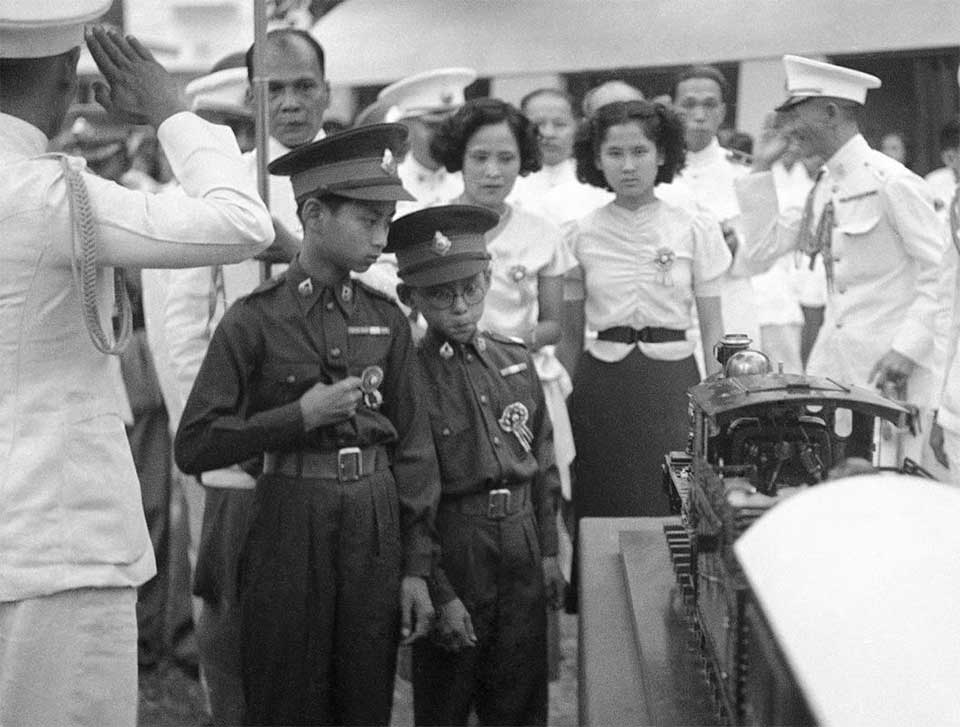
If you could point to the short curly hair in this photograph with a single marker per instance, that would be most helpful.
(449, 144)
(660, 124)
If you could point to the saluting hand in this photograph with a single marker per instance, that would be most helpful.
(137, 89)
(325, 404)
(772, 144)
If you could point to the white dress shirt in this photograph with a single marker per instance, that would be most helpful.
(71, 515)
(644, 268)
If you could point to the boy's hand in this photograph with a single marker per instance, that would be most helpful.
(455, 627)
(137, 89)
(416, 609)
(553, 582)
(325, 404)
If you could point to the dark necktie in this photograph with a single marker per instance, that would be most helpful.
(819, 241)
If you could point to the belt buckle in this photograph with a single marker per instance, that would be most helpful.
(349, 464)
(498, 503)
(641, 335)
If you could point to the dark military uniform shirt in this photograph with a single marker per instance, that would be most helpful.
(276, 343)
(467, 391)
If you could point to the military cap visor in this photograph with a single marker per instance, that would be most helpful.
(358, 164)
(808, 78)
(441, 244)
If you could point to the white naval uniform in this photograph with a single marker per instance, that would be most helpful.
(948, 337)
(71, 515)
(887, 248)
(708, 176)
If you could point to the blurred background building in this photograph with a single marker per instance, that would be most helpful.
(519, 45)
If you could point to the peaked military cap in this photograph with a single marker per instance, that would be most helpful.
(358, 163)
(438, 92)
(440, 244)
(42, 28)
(224, 91)
(808, 78)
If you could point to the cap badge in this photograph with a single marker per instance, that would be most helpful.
(514, 421)
(441, 243)
(446, 350)
(370, 380)
(305, 288)
(388, 164)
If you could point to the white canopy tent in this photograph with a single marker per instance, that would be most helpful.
(377, 41)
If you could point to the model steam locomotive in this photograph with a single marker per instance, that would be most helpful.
(757, 437)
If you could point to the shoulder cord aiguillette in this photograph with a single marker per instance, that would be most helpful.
(85, 268)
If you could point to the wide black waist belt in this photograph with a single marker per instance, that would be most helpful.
(494, 504)
(625, 334)
(345, 465)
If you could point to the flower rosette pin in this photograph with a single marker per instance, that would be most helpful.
(514, 421)
(524, 280)
(664, 259)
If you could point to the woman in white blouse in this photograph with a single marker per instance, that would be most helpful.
(492, 143)
(645, 264)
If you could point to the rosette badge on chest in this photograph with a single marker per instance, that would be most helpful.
(438, 245)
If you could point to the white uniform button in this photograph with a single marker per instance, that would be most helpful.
(329, 305)
(496, 440)
(445, 431)
(335, 352)
(483, 398)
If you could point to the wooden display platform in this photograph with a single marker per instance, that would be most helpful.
(637, 662)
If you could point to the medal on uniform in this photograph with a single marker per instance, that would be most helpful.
(446, 350)
(370, 380)
(514, 421)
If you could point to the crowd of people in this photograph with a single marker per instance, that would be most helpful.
(478, 324)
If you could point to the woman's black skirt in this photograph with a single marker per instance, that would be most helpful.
(626, 416)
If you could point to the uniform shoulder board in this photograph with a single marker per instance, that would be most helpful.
(268, 284)
(739, 157)
(513, 340)
(374, 292)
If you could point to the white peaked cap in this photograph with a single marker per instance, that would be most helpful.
(435, 91)
(224, 90)
(807, 78)
(41, 28)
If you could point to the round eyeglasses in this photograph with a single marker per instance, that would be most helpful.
(442, 297)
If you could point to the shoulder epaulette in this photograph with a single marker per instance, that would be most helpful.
(268, 284)
(499, 338)
(739, 157)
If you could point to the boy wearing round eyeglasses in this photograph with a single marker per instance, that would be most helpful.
(495, 567)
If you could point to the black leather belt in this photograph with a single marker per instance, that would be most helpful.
(344, 465)
(625, 334)
(494, 504)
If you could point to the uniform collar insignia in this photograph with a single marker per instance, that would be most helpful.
(441, 243)
(305, 287)
(389, 164)
(446, 350)
(346, 292)
(480, 343)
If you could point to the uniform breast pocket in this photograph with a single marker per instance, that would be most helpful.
(858, 214)
(284, 382)
(368, 350)
(454, 439)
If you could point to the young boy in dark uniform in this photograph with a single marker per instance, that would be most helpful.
(312, 374)
(496, 564)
